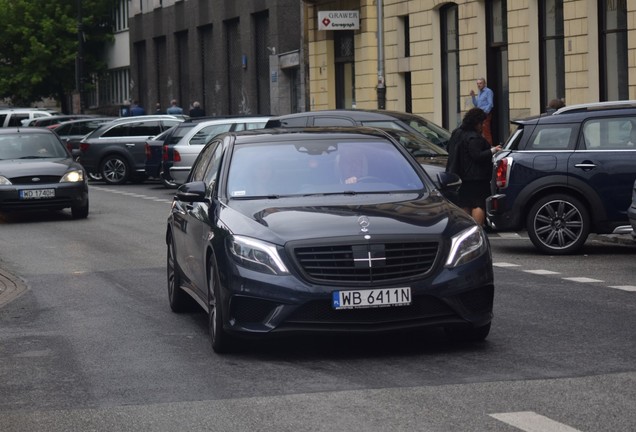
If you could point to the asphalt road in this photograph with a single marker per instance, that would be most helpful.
(91, 344)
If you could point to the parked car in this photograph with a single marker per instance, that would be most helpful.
(565, 175)
(377, 118)
(432, 157)
(159, 153)
(37, 172)
(14, 117)
(272, 235)
(631, 212)
(182, 155)
(72, 131)
(116, 150)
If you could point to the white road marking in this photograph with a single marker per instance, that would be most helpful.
(541, 272)
(624, 287)
(529, 421)
(582, 279)
(505, 264)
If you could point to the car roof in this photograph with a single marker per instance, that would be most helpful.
(147, 117)
(89, 119)
(578, 114)
(357, 114)
(31, 130)
(300, 133)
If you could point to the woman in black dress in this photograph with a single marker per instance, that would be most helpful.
(472, 161)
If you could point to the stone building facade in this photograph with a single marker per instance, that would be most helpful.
(424, 56)
(217, 52)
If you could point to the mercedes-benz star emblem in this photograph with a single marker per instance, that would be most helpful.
(364, 223)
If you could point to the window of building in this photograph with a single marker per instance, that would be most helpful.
(449, 19)
(404, 26)
(613, 50)
(233, 51)
(120, 16)
(497, 67)
(552, 51)
(345, 69)
(262, 48)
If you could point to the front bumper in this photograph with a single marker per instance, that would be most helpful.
(631, 213)
(261, 305)
(66, 195)
(500, 216)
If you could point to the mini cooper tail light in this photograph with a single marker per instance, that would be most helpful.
(503, 172)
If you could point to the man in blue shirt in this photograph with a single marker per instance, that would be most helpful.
(484, 100)
(174, 108)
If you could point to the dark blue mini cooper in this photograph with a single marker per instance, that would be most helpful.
(565, 175)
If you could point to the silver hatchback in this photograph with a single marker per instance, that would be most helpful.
(188, 148)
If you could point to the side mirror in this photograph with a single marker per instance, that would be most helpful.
(449, 182)
(191, 192)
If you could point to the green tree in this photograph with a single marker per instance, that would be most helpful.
(39, 46)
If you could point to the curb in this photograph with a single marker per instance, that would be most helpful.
(11, 287)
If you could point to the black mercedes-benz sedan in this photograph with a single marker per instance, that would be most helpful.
(324, 230)
(37, 172)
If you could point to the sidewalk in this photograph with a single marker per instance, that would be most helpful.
(11, 287)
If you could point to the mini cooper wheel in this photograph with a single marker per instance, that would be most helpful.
(558, 224)
(220, 340)
(114, 170)
(179, 301)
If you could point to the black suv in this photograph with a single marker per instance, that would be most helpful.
(358, 117)
(565, 175)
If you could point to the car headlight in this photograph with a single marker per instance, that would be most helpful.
(256, 255)
(4, 181)
(73, 177)
(466, 246)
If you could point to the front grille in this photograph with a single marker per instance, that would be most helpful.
(366, 264)
(28, 180)
(321, 312)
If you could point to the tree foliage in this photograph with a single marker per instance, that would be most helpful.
(39, 46)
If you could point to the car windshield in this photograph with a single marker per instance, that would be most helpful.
(30, 146)
(320, 167)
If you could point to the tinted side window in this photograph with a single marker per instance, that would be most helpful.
(558, 137)
(202, 162)
(294, 122)
(16, 119)
(208, 132)
(3, 117)
(333, 121)
(609, 133)
(148, 128)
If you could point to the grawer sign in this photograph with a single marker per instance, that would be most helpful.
(338, 20)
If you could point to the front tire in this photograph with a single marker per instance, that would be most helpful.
(80, 212)
(558, 224)
(115, 170)
(220, 340)
(179, 301)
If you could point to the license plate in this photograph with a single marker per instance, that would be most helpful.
(37, 193)
(354, 299)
